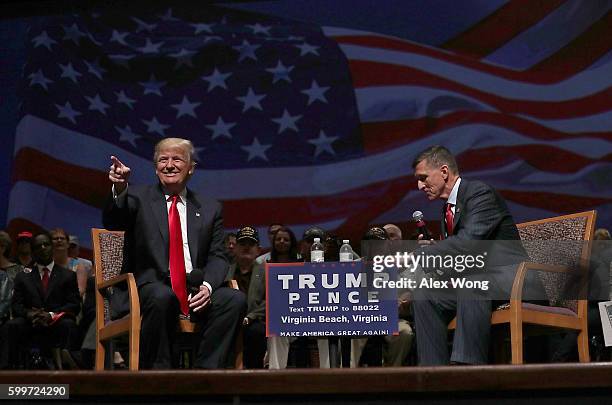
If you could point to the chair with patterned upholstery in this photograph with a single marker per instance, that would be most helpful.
(556, 268)
(108, 259)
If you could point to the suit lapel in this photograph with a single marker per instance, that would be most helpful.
(160, 211)
(194, 224)
(35, 274)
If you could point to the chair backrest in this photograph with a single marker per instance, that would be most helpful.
(537, 237)
(108, 257)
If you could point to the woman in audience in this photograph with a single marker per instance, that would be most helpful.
(284, 247)
(6, 265)
(59, 238)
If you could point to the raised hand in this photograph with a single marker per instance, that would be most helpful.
(118, 174)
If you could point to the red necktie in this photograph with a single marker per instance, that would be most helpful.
(449, 216)
(177, 259)
(45, 279)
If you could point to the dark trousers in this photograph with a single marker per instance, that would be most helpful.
(254, 344)
(433, 311)
(218, 325)
(21, 337)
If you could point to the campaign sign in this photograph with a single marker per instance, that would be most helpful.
(328, 299)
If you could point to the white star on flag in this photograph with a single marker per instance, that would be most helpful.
(156, 127)
(221, 128)
(40, 79)
(127, 135)
(315, 92)
(69, 72)
(287, 121)
(256, 150)
(280, 72)
(124, 99)
(216, 79)
(43, 40)
(66, 111)
(251, 100)
(96, 104)
(323, 144)
(152, 86)
(185, 107)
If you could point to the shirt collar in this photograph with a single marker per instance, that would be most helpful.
(49, 266)
(182, 195)
(452, 198)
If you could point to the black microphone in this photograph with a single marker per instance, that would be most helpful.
(417, 217)
(194, 281)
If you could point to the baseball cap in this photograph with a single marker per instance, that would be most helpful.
(24, 234)
(247, 233)
(376, 233)
(314, 232)
(73, 240)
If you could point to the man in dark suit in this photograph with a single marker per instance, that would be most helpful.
(174, 245)
(45, 303)
(473, 211)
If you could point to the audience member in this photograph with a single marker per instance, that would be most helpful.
(278, 347)
(172, 232)
(473, 211)
(394, 232)
(284, 246)
(251, 281)
(395, 347)
(10, 268)
(229, 243)
(272, 228)
(60, 247)
(81, 266)
(23, 249)
(45, 305)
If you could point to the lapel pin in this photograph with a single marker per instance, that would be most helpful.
(197, 214)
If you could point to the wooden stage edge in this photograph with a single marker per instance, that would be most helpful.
(440, 380)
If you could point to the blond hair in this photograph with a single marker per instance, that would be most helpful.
(185, 144)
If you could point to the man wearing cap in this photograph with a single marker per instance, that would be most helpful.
(250, 277)
(174, 241)
(23, 251)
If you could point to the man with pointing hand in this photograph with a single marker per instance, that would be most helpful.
(174, 247)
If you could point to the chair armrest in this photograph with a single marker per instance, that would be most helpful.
(113, 281)
(524, 267)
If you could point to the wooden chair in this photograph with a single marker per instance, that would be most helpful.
(554, 273)
(108, 259)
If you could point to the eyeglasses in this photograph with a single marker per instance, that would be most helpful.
(59, 238)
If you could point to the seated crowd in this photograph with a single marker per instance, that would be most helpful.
(47, 307)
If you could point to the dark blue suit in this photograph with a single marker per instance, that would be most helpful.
(480, 214)
(143, 215)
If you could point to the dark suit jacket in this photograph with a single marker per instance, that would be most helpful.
(481, 214)
(144, 218)
(62, 292)
(256, 296)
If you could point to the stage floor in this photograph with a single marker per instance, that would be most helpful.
(558, 383)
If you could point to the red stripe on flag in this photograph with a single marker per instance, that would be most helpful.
(541, 157)
(581, 53)
(394, 44)
(367, 74)
(560, 203)
(382, 136)
(500, 27)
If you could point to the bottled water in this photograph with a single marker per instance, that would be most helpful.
(346, 252)
(316, 251)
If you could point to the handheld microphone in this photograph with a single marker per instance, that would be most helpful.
(194, 281)
(417, 217)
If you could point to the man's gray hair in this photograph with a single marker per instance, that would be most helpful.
(175, 142)
(437, 156)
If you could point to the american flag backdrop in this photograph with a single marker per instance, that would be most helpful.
(315, 125)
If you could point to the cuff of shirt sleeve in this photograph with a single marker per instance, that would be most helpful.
(207, 285)
(121, 194)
